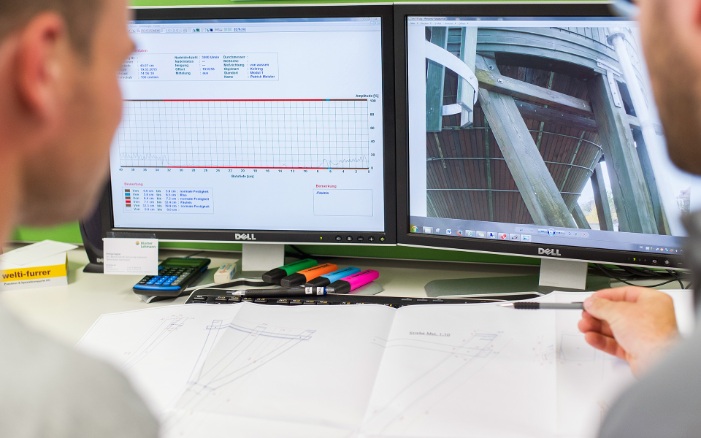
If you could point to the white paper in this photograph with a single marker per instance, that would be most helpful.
(125, 256)
(33, 254)
(158, 348)
(299, 365)
(365, 370)
(461, 370)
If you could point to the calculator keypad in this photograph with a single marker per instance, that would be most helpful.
(167, 277)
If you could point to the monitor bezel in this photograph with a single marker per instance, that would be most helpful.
(558, 251)
(336, 237)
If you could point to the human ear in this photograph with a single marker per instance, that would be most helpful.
(42, 45)
(688, 18)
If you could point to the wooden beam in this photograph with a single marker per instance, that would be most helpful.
(532, 177)
(549, 115)
(580, 217)
(435, 79)
(490, 79)
(466, 94)
(634, 123)
(437, 139)
(648, 171)
(556, 45)
(630, 192)
(603, 210)
(488, 165)
(541, 125)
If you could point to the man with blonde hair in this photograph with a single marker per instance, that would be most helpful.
(60, 105)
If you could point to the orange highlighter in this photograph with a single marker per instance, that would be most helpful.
(303, 276)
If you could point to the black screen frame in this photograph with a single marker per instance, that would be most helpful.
(386, 237)
(533, 250)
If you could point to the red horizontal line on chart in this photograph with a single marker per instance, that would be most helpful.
(246, 167)
(246, 100)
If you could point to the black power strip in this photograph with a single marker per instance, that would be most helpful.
(204, 296)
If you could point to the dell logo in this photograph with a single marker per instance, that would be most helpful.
(549, 252)
(238, 236)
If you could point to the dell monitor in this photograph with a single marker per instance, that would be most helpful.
(530, 129)
(258, 125)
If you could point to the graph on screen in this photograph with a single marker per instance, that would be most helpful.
(246, 134)
(221, 116)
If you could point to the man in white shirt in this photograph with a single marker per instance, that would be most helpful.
(60, 104)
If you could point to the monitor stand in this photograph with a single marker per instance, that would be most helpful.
(259, 258)
(564, 275)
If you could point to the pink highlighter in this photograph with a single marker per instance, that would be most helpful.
(352, 282)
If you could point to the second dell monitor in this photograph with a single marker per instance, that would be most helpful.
(531, 129)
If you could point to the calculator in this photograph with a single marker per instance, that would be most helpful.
(174, 275)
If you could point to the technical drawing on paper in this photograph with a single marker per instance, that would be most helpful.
(447, 362)
(260, 345)
(240, 352)
(164, 328)
(439, 376)
(594, 376)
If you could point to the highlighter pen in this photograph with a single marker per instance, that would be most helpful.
(303, 276)
(278, 293)
(327, 279)
(353, 282)
(275, 275)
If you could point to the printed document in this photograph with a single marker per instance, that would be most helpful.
(362, 371)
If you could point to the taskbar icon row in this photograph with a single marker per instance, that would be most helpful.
(478, 234)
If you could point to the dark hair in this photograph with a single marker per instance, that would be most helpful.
(80, 17)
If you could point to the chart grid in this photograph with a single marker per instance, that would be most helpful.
(270, 134)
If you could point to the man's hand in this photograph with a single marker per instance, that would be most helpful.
(633, 323)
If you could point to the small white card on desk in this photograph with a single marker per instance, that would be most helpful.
(34, 253)
(130, 256)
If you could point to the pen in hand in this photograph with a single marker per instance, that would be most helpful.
(532, 305)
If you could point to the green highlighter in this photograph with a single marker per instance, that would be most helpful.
(274, 276)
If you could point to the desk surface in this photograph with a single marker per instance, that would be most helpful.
(67, 312)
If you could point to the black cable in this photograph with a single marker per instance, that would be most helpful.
(239, 282)
(298, 252)
(630, 274)
(301, 254)
(633, 273)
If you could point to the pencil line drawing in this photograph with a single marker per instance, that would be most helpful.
(258, 346)
(449, 365)
(153, 339)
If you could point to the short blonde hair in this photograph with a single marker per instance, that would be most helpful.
(80, 17)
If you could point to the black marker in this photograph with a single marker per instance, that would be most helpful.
(303, 276)
(275, 275)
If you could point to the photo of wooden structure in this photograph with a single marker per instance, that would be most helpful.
(521, 120)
